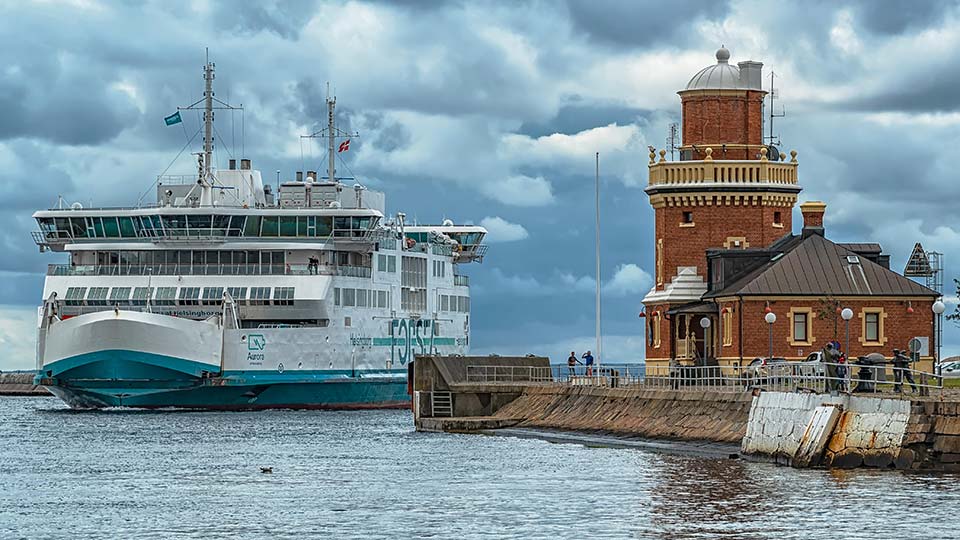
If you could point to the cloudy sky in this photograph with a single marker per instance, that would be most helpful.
(483, 112)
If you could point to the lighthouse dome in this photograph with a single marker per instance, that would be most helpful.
(720, 76)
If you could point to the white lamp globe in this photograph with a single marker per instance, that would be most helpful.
(770, 317)
(705, 322)
(939, 307)
(846, 314)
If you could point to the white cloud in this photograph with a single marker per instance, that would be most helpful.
(842, 34)
(520, 190)
(628, 279)
(501, 230)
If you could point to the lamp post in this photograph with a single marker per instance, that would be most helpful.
(847, 314)
(939, 308)
(771, 318)
(705, 324)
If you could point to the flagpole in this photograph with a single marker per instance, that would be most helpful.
(597, 188)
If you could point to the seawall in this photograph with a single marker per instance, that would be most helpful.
(650, 413)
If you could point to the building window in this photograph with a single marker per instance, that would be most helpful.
(801, 327)
(687, 220)
(777, 219)
(655, 330)
(871, 332)
(726, 320)
(660, 261)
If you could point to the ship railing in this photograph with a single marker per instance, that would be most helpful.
(177, 179)
(207, 270)
(811, 377)
(45, 238)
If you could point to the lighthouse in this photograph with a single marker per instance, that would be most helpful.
(727, 191)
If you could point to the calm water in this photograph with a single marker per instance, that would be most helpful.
(121, 474)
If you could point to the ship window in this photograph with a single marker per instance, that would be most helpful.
(324, 225)
(120, 295)
(413, 299)
(283, 296)
(349, 297)
(239, 294)
(127, 229)
(199, 225)
(46, 224)
(392, 264)
(189, 296)
(382, 262)
(141, 295)
(212, 296)
(220, 225)
(382, 299)
(252, 226)
(78, 227)
(97, 226)
(288, 226)
(302, 225)
(259, 296)
(336, 296)
(175, 225)
(444, 302)
(97, 296)
(74, 296)
(110, 227)
(271, 226)
(166, 296)
(236, 226)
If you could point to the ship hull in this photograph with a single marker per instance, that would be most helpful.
(180, 363)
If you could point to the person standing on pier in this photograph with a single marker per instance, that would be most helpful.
(901, 370)
(831, 359)
(572, 363)
(588, 361)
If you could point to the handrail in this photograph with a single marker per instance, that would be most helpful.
(207, 270)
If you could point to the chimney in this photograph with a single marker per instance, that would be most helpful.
(233, 164)
(750, 74)
(813, 217)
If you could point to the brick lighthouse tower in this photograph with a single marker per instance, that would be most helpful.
(726, 192)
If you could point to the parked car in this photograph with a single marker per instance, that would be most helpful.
(950, 370)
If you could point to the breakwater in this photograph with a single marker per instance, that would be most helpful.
(20, 384)
(800, 428)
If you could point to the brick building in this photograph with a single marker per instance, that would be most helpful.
(725, 252)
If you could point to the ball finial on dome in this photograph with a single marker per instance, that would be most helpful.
(723, 55)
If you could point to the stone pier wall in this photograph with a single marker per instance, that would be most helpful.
(660, 414)
(20, 384)
(868, 432)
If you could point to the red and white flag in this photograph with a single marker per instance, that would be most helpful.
(344, 146)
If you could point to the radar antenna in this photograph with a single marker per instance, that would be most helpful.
(774, 139)
(673, 139)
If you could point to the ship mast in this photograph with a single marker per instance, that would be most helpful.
(206, 186)
(331, 137)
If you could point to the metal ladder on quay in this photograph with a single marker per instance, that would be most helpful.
(441, 404)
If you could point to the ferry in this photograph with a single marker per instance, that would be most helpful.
(224, 294)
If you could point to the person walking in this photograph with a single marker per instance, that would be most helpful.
(588, 362)
(901, 365)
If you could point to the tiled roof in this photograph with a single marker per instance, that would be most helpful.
(816, 266)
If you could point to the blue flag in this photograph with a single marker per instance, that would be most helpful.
(173, 119)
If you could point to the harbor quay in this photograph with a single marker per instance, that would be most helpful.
(784, 414)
